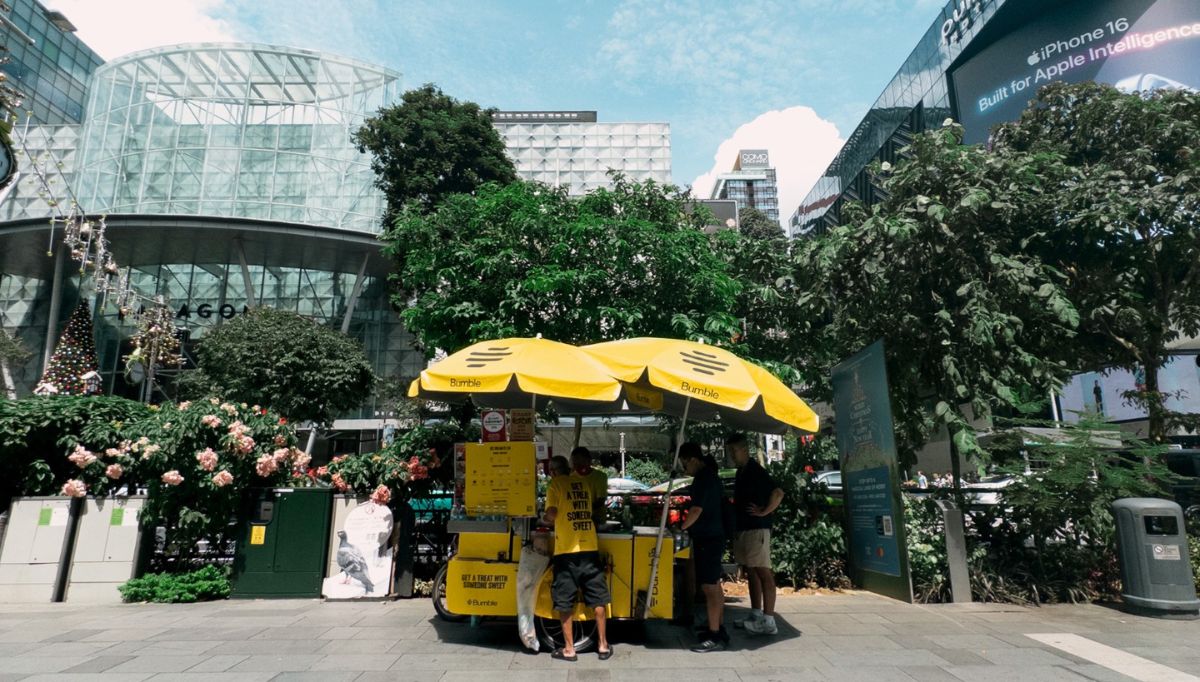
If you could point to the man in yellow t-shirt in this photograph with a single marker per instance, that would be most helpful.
(581, 462)
(577, 564)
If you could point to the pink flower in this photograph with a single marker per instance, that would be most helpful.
(114, 471)
(244, 445)
(416, 470)
(74, 488)
(339, 483)
(150, 450)
(281, 455)
(281, 440)
(172, 477)
(300, 460)
(229, 409)
(222, 478)
(211, 420)
(323, 471)
(81, 457)
(382, 495)
(113, 452)
(207, 459)
(185, 404)
(237, 428)
(266, 465)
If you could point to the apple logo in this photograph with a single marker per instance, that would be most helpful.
(1034, 58)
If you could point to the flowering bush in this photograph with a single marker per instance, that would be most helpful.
(415, 463)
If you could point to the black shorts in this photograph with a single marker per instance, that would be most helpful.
(707, 554)
(575, 572)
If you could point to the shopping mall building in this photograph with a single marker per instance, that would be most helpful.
(228, 179)
(980, 62)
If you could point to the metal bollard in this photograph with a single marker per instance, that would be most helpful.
(956, 551)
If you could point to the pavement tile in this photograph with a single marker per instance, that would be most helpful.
(357, 662)
(217, 664)
(1008, 673)
(969, 641)
(215, 631)
(175, 663)
(98, 664)
(714, 674)
(32, 665)
(461, 661)
(409, 676)
(857, 643)
(323, 676)
(68, 649)
(285, 663)
(353, 646)
(870, 657)
(1018, 657)
(785, 674)
(865, 672)
(563, 675)
(88, 677)
(214, 677)
(926, 673)
(305, 633)
(266, 646)
(1101, 674)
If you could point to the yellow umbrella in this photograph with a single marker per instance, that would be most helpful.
(516, 372)
(689, 379)
(698, 381)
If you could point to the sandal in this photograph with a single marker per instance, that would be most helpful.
(605, 655)
(559, 655)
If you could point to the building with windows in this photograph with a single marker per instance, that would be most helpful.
(229, 179)
(573, 149)
(751, 183)
(981, 61)
(47, 63)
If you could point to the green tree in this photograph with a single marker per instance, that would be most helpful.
(284, 361)
(937, 270)
(524, 259)
(1123, 225)
(11, 352)
(755, 224)
(430, 146)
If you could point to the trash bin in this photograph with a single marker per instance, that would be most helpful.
(1156, 571)
(282, 541)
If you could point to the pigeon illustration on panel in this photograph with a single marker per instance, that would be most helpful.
(353, 563)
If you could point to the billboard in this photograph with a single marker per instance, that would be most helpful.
(1104, 392)
(1132, 44)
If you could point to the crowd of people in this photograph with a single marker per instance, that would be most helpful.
(578, 567)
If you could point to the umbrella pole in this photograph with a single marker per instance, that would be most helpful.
(644, 602)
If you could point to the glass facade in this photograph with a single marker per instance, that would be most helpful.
(572, 152)
(249, 131)
(916, 99)
(52, 72)
(755, 189)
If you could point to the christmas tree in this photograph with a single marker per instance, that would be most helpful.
(74, 361)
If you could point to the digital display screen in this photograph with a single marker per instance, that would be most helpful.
(1104, 393)
(1132, 44)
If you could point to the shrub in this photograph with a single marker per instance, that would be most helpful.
(1194, 551)
(206, 584)
(418, 460)
(37, 433)
(646, 471)
(808, 546)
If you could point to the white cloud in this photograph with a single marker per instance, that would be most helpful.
(117, 27)
(800, 143)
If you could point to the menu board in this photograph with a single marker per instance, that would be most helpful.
(501, 479)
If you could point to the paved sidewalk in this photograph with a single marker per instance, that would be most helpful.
(851, 636)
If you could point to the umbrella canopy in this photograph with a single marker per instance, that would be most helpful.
(513, 372)
(671, 375)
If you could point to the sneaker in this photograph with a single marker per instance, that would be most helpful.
(709, 644)
(740, 623)
(766, 626)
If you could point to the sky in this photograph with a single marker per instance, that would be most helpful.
(791, 76)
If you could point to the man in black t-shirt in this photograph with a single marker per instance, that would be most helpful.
(703, 524)
(756, 497)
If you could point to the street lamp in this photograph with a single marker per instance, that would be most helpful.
(622, 455)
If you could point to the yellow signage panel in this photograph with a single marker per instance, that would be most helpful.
(645, 397)
(258, 535)
(481, 588)
(501, 479)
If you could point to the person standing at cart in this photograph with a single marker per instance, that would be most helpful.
(581, 462)
(703, 524)
(756, 497)
(577, 564)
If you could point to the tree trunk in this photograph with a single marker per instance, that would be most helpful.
(1155, 407)
(10, 386)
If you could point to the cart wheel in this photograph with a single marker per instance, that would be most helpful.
(549, 634)
(439, 598)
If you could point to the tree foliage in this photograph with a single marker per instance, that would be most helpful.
(430, 146)
(755, 224)
(284, 361)
(1124, 223)
(938, 271)
(524, 259)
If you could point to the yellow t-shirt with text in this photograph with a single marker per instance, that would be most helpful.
(574, 530)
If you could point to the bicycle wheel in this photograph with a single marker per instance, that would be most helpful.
(439, 598)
